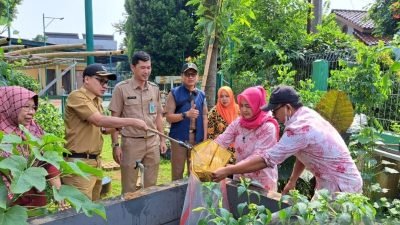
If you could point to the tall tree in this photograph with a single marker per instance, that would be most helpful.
(7, 12)
(382, 13)
(163, 28)
(215, 18)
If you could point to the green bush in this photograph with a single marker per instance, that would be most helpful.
(50, 118)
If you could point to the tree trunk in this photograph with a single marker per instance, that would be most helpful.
(211, 82)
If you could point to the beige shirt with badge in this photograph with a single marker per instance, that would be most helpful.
(129, 101)
(81, 135)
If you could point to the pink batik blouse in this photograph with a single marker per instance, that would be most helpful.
(246, 142)
(317, 144)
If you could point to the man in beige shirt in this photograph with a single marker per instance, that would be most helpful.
(138, 98)
(85, 125)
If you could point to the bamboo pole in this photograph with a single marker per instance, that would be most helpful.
(207, 66)
(49, 47)
(78, 54)
(4, 40)
(12, 47)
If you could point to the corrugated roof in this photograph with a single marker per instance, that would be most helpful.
(357, 17)
(368, 39)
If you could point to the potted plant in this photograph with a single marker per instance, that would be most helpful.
(395, 9)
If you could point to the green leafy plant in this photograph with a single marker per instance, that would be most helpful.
(50, 118)
(24, 175)
(362, 148)
(388, 212)
(256, 214)
(335, 106)
(344, 208)
(366, 82)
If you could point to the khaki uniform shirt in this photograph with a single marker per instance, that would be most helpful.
(82, 136)
(129, 101)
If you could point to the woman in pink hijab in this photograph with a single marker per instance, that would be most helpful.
(252, 130)
(17, 107)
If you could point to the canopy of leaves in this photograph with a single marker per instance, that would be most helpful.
(278, 32)
(382, 15)
(8, 11)
(163, 28)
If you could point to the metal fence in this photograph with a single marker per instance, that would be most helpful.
(303, 65)
(388, 114)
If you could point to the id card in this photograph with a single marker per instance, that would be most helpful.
(152, 108)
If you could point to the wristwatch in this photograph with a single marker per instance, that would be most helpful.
(115, 145)
(184, 115)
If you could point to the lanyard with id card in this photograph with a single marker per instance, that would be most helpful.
(152, 107)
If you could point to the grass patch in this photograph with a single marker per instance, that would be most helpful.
(164, 173)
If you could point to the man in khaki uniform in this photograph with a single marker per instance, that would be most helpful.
(85, 125)
(138, 98)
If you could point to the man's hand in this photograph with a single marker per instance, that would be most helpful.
(289, 186)
(117, 154)
(140, 124)
(193, 113)
(163, 147)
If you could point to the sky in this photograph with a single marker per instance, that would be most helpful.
(29, 21)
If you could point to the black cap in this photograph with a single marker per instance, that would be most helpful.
(98, 70)
(281, 95)
(189, 66)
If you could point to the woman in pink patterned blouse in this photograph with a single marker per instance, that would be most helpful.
(313, 140)
(252, 131)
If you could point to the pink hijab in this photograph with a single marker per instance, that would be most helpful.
(12, 99)
(256, 96)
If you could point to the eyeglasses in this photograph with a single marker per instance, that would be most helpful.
(28, 108)
(101, 81)
(190, 74)
(276, 109)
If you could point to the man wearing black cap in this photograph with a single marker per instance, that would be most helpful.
(187, 113)
(85, 124)
(314, 141)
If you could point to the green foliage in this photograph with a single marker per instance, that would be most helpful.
(11, 77)
(345, 208)
(8, 10)
(25, 174)
(389, 212)
(335, 106)
(381, 14)
(163, 28)
(329, 38)
(50, 118)
(272, 39)
(362, 148)
(256, 214)
(366, 82)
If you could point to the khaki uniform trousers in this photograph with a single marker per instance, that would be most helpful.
(147, 150)
(90, 186)
(180, 155)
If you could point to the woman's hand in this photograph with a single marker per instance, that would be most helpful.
(289, 186)
(220, 174)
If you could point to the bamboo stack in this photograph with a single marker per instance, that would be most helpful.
(48, 48)
(12, 47)
(4, 41)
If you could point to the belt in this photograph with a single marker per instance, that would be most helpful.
(192, 131)
(80, 155)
